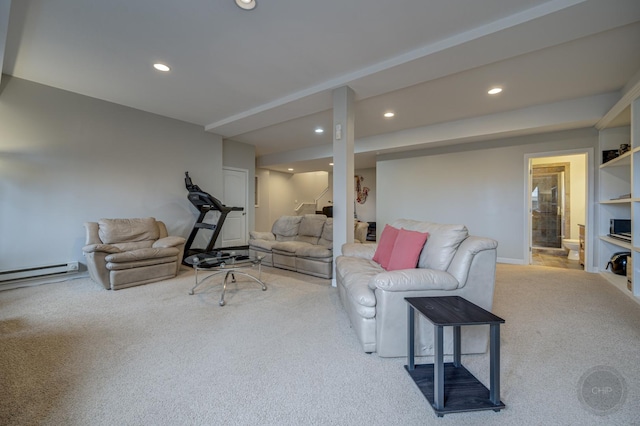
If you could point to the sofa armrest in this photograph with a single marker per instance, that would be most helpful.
(463, 260)
(168, 242)
(364, 251)
(103, 248)
(413, 280)
(261, 235)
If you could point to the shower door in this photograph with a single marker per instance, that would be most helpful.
(547, 209)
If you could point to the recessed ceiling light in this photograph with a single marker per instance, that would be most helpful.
(331, 164)
(319, 130)
(290, 169)
(495, 90)
(161, 67)
(389, 114)
(246, 4)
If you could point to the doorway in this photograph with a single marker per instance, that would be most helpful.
(236, 194)
(557, 207)
(550, 204)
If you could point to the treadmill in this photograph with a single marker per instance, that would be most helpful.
(205, 203)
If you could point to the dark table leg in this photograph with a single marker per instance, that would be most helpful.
(456, 346)
(411, 339)
(438, 368)
(494, 364)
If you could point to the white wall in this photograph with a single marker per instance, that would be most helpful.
(281, 196)
(67, 158)
(308, 186)
(283, 192)
(481, 185)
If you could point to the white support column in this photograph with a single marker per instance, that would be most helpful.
(343, 169)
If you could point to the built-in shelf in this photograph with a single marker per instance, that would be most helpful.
(616, 242)
(618, 177)
(620, 282)
(619, 201)
(621, 161)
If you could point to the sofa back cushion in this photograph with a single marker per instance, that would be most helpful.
(285, 228)
(114, 231)
(311, 228)
(441, 245)
(326, 239)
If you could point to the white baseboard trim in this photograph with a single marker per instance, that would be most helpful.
(10, 285)
(511, 261)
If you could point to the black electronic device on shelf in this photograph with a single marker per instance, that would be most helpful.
(205, 203)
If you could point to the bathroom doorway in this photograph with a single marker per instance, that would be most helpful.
(557, 207)
(550, 204)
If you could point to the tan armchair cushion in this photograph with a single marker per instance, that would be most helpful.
(128, 230)
(137, 245)
(142, 254)
(169, 242)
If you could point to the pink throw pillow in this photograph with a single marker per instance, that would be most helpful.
(385, 246)
(406, 250)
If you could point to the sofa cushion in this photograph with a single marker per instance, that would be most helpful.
(311, 228)
(385, 246)
(113, 231)
(442, 243)
(261, 235)
(289, 247)
(326, 239)
(315, 251)
(265, 245)
(416, 279)
(285, 228)
(406, 249)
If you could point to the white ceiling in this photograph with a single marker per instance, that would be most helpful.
(265, 77)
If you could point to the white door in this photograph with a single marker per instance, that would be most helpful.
(234, 230)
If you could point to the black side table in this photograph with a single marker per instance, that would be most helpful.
(450, 387)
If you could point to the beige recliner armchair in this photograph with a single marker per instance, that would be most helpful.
(124, 253)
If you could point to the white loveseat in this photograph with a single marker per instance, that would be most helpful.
(451, 263)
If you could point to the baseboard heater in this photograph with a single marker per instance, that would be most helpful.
(37, 272)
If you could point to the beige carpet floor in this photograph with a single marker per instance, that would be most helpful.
(72, 353)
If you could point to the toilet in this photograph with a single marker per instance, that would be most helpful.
(573, 246)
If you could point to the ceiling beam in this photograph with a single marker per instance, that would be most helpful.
(563, 115)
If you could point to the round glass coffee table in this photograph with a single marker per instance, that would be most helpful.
(228, 262)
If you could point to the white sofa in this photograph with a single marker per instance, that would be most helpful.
(450, 263)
